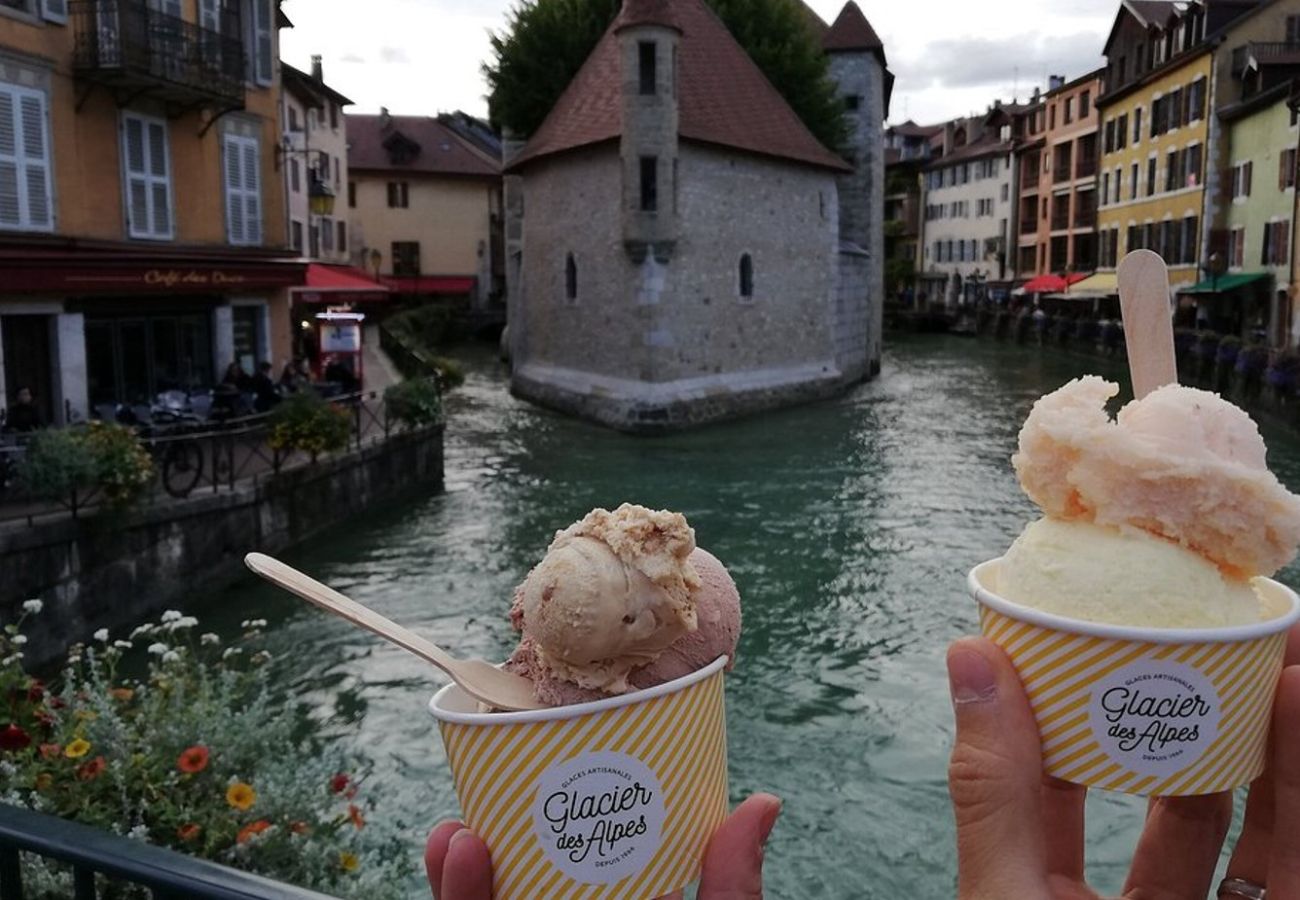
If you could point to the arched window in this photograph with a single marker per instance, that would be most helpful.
(746, 277)
(570, 278)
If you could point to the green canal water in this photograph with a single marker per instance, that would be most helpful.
(849, 527)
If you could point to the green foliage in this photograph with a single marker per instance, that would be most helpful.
(416, 403)
(451, 374)
(197, 756)
(899, 273)
(63, 463)
(545, 42)
(306, 422)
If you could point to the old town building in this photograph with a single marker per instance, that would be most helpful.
(142, 245)
(907, 149)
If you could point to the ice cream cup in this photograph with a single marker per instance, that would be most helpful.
(1150, 711)
(610, 799)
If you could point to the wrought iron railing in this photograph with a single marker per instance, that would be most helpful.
(91, 852)
(127, 41)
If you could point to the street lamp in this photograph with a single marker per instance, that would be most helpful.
(376, 257)
(1215, 266)
(320, 197)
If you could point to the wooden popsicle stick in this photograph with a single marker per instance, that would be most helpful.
(1148, 324)
(483, 681)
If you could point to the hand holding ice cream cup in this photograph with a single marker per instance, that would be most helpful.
(1138, 611)
(615, 788)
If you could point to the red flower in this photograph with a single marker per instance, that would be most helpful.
(57, 703)
(354, 815)
(91, 769)
(49, 751)
(35, 692)
(13, 738)
(339, 783)
(193, 760)
(251, 829)
(188, 832)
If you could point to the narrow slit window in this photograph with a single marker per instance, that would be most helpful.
(570, 278)
(646, 58)
(649, 183)
(746, 277)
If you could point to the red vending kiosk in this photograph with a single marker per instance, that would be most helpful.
(338, 336)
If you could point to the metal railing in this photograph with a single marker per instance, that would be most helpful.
(127, 42)
(170, 875)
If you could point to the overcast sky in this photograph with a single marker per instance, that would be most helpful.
(951, 57)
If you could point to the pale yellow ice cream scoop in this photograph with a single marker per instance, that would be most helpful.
(613, 591)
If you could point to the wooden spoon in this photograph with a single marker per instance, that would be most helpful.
(481, 680)
(1148, 328)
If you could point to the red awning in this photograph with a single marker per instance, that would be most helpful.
(339, 284)
(429, 284)
(1051, 284)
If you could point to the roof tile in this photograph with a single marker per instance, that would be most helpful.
(441, 150)
(852, 31)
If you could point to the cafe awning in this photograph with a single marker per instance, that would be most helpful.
(1049, 283)
(429, 284)
(1101, 284)
(339, 284)
(1225, 283)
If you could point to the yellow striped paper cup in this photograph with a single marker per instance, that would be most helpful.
(609, 800)
(1150, 711)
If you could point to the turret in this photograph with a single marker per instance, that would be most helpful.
(649, 36)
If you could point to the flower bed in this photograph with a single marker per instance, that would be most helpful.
(197, 755)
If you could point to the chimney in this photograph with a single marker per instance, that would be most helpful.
(384, 118)
(316, 68)
(1055, 81)
(1037, 95)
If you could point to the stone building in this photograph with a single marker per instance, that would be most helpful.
(680, 248)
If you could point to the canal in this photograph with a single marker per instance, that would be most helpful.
(848, 526)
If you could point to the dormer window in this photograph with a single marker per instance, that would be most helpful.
(401, 149)
(646, 67)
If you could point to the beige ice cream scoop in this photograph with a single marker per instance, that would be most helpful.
(613, 591)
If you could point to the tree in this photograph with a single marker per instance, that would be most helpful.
(545, 42)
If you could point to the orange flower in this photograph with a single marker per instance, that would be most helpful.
(252, 828)
(123, 694)
(188, 832)
(43, 781)
(299, 828)
(49, 751)
(241, 796)
(354, 815)
(91, 769)
(193, 760)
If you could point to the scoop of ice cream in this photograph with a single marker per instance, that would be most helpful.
(613, 592)
(1180, 463)
(1121, 576)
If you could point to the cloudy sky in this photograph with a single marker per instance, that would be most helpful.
(951, 57)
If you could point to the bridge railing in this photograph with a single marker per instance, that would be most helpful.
(91, 852)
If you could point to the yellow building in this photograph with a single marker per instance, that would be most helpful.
(425, 205)
(141, 203)
(1153, 130)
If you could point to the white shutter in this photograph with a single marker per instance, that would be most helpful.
(148, 177)
(252, 193)
(234, 191)
(243, 190)
(262, 51)
(55, 10)
(210, 15)
(25, 176)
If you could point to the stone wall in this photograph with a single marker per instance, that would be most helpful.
(855, 309)
(111, 571)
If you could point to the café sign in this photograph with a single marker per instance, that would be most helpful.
(58, 275)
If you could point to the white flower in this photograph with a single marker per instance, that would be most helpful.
(123, 645)
(229, 652)
(261, 656)
(259, 623)
(138, 833)
(18, 640)
(158, 649)
(182, 622)
(11, 659)
(142, 631)
(170, 615)
(209, 638)
(33, 606)
(102, 635)
(171, 656)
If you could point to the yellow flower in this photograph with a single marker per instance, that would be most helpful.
(349, 861)
(77, 748)
(241, 796)
(86, 715)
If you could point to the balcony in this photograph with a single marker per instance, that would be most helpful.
(135, 51)
(1087, 167)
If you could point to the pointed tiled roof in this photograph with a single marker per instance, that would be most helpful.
(723, 99)
(852, 31)
(440, 150)
(646, 12)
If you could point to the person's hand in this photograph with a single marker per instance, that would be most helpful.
(1020, 832)
(460, 868)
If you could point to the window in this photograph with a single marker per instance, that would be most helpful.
(646, 67)
(334, 117)
(1121, 132)
(1118, 183)
(746, 277)
(261, 56)
(148, 177)
(1293, 29)
(352, 195)
(1068, 115)
(1105, 187)
(571, 277)
(853, 102)
(243, 189)
(295, 235)
(1137, 125)
(649, 183)
(1051, 117)
(327, 234)
(342, 244)
(25, 171)
(1133, 181)
(1006, 191)
(1241, 178)
(1171, 170)
(1151, 176)
(1108, 137)
(1192, 166)
(295, 181)
(399, 195)
(1196, 100)
(406, 257)
(1085, 104)
(1277, 243)
(293, 119)
(1236, 248)
(1187, 243)
(1286, 169)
